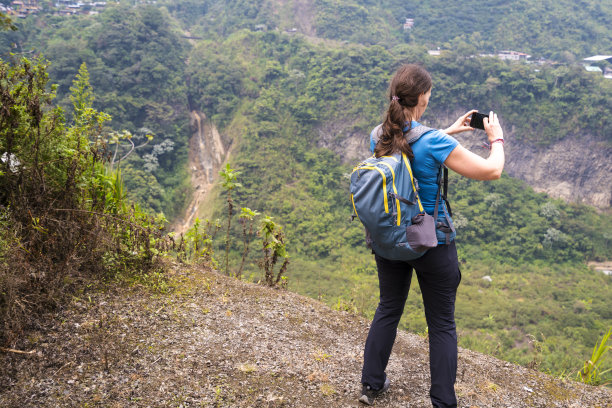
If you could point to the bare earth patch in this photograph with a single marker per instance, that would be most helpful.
(219, 342)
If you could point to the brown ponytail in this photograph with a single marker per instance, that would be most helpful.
(409, 82)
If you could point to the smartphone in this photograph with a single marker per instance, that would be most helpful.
(476, 121)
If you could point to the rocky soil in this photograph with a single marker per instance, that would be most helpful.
(203, 339)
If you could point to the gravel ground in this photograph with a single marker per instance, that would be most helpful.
(213, 341)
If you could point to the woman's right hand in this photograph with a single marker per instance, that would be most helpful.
(492, 127)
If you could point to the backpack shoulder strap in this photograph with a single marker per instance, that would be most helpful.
(415, 133)
(412, 135)
(441, 194)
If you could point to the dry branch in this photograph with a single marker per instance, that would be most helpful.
(10, 350)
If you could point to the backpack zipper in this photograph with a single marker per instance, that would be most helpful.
(354, 208)
(384, 184)
(397, 203)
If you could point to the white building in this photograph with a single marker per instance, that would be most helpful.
(607, 71)
(513, 56)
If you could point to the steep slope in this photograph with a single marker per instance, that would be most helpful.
(206, 154)
(216, 341)
(294, 109)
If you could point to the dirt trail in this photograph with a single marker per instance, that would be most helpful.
(206, 154)
(605, 267)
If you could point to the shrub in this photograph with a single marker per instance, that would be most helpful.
(63, 214)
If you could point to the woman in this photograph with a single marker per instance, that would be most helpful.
(437, 270)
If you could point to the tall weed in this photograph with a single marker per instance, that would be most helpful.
(229, 177)
(273, 246)
(590, 372)
(196, 244)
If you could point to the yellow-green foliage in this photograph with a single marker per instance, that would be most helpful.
(591, 372)
(64, 215)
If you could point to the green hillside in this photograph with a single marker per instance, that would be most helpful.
(543, 305)
(137, 64)
(562, 30)
(280, 94)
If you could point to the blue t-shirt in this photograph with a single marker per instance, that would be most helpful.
(430, 151)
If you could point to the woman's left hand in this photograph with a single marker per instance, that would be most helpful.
(461, 125)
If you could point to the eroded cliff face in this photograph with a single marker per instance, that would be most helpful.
(576, 169)
(206, 155)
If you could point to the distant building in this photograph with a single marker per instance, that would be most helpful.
(592, 68)
(435, 53)
(607, 71)
(597, 58)
(513, 56)
(23, 8)
(66, 12)
(408, 24)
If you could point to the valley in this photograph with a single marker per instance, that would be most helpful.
(294, 108)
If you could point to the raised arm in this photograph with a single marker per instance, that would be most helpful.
(470, 165)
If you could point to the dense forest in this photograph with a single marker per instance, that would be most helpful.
(288, 103)
(560, 30)
(137, 67)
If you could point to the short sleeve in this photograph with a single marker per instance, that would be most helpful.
(440, 145)
(375, 136)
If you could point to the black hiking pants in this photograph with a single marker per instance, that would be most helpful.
(439, 276)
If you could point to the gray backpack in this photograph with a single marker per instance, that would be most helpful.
(384, 195)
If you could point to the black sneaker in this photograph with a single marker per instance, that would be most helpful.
(368, 394)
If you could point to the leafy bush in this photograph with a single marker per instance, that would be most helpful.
(137, 66)
(197, 243)
(64, 216)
